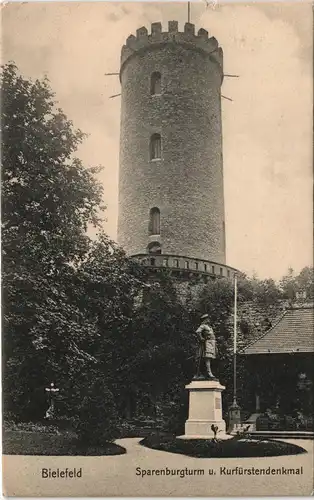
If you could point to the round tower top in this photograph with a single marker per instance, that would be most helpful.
(144, 41)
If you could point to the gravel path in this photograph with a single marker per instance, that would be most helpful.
(116, 476)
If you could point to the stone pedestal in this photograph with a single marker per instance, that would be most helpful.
(205, 409)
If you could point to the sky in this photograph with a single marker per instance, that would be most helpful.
(267, 127)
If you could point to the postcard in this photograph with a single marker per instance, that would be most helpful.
(157, 251)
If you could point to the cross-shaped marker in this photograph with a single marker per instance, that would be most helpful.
(51, 391)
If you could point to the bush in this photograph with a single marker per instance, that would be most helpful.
(173, 410)
(40, 427)
(229, 448)
(96, 420)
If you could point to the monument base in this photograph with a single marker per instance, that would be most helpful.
(205, 410)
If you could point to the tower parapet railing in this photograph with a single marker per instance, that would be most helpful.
(180, 265)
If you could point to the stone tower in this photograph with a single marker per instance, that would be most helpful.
(171, 199)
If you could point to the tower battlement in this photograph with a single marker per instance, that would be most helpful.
(144, 41)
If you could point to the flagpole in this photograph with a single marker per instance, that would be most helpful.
(235, 340)
(234, 409)
(189, 12)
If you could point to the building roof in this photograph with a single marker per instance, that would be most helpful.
(293, 333)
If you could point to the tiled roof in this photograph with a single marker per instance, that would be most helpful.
(294, 332)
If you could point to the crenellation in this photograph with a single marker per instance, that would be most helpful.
(130, 41)
(189, 29)
(202, 33)
(216, 55)
(145, 41)
(156, 30)
(173, 27)
(213, 42)
(142, 33)
(220, 56)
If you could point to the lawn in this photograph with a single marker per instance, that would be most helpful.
(37, 439)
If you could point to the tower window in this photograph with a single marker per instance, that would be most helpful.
(196, 265)
(205, 267)
(155, 147)
(176, 263)
(213, 269)
(165, 262)
(221, 271)
(154, 248)
(187, 264)
(154, 221)
(155, 83)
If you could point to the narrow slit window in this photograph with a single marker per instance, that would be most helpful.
(154, 221)
(155, 83)
(155, 147)
(205, 267)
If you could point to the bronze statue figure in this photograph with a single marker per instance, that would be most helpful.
(207, 349)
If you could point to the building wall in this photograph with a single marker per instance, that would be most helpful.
(186, 184)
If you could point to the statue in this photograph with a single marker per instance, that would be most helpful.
(206, 350)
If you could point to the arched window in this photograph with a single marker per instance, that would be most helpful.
(154, 248)
(154, 221)
(155, 83)
(155, 147)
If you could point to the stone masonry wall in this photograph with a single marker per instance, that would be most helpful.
(186, 184)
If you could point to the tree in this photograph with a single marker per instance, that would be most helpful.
(288, 286)
(48, 196)
(107, 285)
(96, 419)
(266, 293)
(217, 300)
(48, 200)
(305, 282)
(159, 352)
